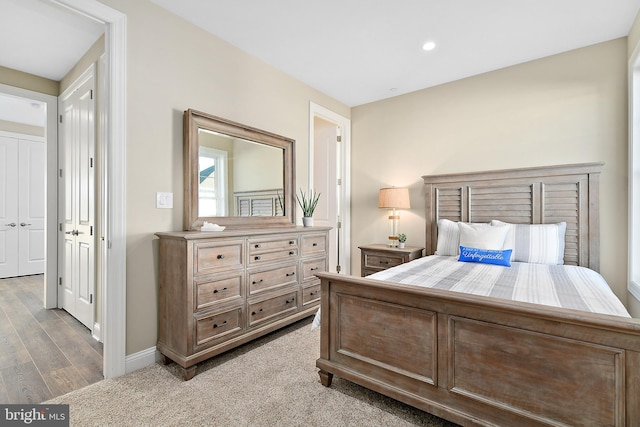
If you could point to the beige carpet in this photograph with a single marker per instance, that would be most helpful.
(272, 381)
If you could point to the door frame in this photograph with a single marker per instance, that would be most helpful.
(344, 124)
(113, 213)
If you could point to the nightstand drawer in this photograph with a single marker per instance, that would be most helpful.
(381, 261)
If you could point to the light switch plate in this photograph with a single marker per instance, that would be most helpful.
(164, 200)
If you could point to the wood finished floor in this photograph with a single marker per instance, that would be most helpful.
(43, 353)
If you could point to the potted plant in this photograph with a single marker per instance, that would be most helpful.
(308, 205)
(401, 239)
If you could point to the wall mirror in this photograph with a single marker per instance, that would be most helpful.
(236, 175)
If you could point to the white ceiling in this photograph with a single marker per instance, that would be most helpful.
(41, 38)
(355, 51)
(361, 51)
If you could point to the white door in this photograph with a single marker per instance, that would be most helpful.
(22, 205)
(329, 175)
(8, 207)
(77, 152)
(326, 181)
(31, 207)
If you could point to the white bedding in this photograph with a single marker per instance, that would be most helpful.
(565, 286)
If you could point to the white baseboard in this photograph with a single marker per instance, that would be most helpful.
(96, 333)
(141, 359)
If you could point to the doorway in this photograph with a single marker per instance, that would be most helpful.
(113, 214)
(22, 191)
(329, 173)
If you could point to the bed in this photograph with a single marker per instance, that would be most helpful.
(483, 359)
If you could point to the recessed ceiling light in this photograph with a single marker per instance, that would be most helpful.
(429, 46)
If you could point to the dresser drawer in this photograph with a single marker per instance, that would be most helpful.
(275, 277)
(312, 266)
(215, 289)
(267, 309)
(257, 259)
(218, 325)
(314, 244)
(311, 294)
(267, 245)
(378, 261)
(211, 257)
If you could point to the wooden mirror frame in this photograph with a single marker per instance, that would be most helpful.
(196, 120)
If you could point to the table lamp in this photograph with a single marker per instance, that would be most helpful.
(394, 198)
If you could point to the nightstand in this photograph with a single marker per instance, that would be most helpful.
(379, 257)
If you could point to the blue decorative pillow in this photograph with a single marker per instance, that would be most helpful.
(485, 256)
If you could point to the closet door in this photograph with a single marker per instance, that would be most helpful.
(31, 207)
(8, 207)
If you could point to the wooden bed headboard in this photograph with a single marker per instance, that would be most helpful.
(539, 195)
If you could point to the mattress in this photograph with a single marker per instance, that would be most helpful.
(564, 286)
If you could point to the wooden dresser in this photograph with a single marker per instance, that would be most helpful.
(218, 290)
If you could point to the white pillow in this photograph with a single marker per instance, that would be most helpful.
(482, 237)
(449, 237)
(535, 243)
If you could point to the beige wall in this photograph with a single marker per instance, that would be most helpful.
(173, 66)
(27, 81)
(568, 108)
(8, 126)
(90, 57)
(632, 43)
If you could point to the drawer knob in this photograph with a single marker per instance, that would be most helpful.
(384, 262)
(257, 245)
(315, 268)
(289, 301)
(215, 291)
(291, 274)
(292, 253)
(314, 244)
(253, 313)
(215, 325)
(255, 282)
(220, 256)
(312, 293)
(292, 242)
(257, 258)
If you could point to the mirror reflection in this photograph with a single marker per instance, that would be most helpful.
(238, 177)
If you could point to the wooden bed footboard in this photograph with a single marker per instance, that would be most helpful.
(479, 360)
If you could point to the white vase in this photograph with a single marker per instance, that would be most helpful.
(307, 221)
(401, 245)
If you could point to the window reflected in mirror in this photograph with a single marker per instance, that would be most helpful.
(238, 177)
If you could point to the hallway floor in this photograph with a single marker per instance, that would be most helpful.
(43, 353)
